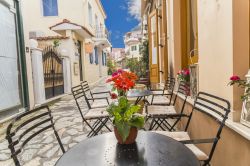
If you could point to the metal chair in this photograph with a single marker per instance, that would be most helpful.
(161, 114)
(26, 126)
(98, 114)
(90, 96)
(164, 95)
(215, 108)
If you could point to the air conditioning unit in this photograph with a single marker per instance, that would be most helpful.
(36, 34)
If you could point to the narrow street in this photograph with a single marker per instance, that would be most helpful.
(44, 149)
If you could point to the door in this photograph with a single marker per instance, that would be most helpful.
(153, 48)
(53, 73)
(80, 59)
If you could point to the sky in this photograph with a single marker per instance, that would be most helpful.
(122, 16)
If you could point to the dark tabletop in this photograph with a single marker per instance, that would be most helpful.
(150, 149)
(139, 93)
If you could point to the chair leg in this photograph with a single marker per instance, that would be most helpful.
(59, 141)
(94, 126)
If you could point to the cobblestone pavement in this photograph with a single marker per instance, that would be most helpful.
(43, 150)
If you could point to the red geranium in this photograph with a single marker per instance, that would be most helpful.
(123, 80)
(114, 96)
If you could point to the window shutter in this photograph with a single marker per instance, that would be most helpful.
(96, 56)
(91, 58)
(103, 58)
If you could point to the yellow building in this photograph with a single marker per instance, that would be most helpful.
(211, 36)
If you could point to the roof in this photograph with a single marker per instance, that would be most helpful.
(52, 38)
(65, 21)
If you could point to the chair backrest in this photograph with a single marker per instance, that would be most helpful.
(216, 108)
(86, 89)
(26, 126)
(169, 86)
(183, 89)
(80, 96)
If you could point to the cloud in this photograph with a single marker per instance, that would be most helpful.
(128, 19)
(123, 7)
(134, 9)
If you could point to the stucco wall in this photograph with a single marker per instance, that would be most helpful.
(76, 12)
(215, 46)
(232, 149)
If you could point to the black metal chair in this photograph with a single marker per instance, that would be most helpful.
(90, 96)
(26, 126)
(164, 95)
(214, 107)
(98, 114)
(161, 114)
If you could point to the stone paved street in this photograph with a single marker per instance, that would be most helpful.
(44, 149)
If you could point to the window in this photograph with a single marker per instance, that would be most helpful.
(96, 56)
(91, 58)
(133, 48)
(90, 14)
(96, 21)
(50, 8)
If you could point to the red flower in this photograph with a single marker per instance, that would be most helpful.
(123, 80)
(235, 78)
(113, 96)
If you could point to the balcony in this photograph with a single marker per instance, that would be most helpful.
(102, 36)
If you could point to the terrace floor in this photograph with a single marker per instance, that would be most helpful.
(44, 150)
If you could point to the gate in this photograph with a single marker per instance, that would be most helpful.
(53, 72)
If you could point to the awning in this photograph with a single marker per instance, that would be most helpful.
(67, 25)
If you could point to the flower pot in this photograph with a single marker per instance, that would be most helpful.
(131, 138)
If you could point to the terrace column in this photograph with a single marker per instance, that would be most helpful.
(66, 71)
(37, 72)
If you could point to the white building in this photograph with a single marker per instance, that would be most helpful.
(79, 26)
(118, 55)
(132, 41)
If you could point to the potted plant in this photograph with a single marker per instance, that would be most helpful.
(245, 115)
(126, 118)
(184, 76)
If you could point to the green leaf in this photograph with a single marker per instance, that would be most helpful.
(123, 130)
(137, 121)
(123, 102)
(132, 109)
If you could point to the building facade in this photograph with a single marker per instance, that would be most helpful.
(76, 31)
(132, 41)
(13, 85)
(211, 36)
(118, 55)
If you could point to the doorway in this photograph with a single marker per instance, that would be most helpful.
(79, 49)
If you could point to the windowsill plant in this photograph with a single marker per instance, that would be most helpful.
(184, 76)
(245, 114)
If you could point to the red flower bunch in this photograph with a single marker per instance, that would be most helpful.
(184, 75)
(235, 78)
(123, 80)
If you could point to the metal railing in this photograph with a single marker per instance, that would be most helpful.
(101, 32)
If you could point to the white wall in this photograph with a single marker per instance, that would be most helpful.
(215, 46)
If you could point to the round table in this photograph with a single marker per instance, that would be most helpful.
(139, 94)
(150, 149)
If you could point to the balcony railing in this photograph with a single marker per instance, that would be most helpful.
(101, 32)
